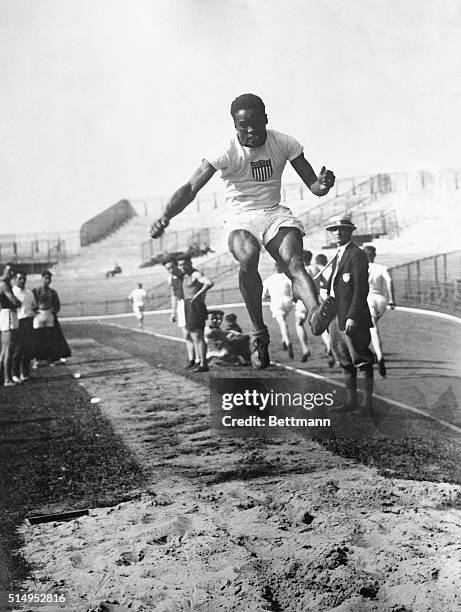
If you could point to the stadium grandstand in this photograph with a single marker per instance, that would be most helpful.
(411, 218)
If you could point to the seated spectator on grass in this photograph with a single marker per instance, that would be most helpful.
(111, 273)
(231, 323)
(226, 346)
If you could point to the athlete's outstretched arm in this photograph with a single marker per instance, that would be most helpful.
(319, 185)
(182, 197)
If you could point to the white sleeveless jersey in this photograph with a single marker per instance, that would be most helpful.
(252, 175)
(377, 276)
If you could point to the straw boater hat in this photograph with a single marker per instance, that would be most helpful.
(341, 221)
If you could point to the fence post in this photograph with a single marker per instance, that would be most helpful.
(445, 268)
(436, 271)
(418, 280)
(106, 311)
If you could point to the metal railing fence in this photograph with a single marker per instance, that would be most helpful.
(433, 282)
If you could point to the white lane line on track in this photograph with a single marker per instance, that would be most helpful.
(392, 402)
(430, 313)
(145, 331)
(375, 395)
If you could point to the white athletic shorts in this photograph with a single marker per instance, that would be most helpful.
(281, 309)
(8, 319)
(181, 314)
(264, 223)
(43, 318)
(377, 304)
(138, 310)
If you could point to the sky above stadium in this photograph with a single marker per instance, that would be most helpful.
(108, 99)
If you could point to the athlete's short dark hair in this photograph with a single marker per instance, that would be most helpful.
(184, 257)
(46, 273)
(245, 102)
(307, 257)
(169, 259)
(369, 249)
(321, 259)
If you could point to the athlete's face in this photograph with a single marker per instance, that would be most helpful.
(21, 281)
(250, 125)
(185, 265)
(215, 320)
(341, 235)
(171, 267)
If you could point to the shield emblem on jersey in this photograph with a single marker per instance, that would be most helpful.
(262, 169)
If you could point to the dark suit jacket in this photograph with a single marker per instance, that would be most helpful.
(351, 287)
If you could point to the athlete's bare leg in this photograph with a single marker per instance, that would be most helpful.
(302, 336)
(245, 248)
(200, 346)
(376, 339)
(189, 344)
(287, 250)
(282, 323)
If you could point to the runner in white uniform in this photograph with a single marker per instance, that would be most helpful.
(138, 297)
(251, 167)
(278, 287)
(301, 312)
(380, 283)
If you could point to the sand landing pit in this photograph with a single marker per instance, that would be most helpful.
(242, 525)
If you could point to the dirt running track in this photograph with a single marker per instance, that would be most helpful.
(247, 525)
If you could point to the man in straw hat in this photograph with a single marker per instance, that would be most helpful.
(251, 166)
(350, 330)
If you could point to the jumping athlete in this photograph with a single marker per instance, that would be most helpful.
(251, 166)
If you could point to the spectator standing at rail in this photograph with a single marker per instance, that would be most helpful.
(175, 278)
(379, 280)
(251, 166)
(138, 297)
(195, 287)
(50, 342)
(8, 325)
(25, 346)
(350, 329)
